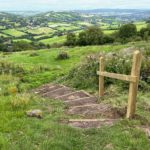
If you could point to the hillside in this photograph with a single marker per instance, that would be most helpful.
(50, 28)
(49, 86)
(24, 71)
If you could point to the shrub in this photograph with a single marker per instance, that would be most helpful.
(71, 39)
(127, 31)
(62, 55)
(84, 75)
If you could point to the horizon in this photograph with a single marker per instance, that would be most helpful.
(66, 5)
(74, 10)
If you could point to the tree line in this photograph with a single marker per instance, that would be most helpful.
(95, 36)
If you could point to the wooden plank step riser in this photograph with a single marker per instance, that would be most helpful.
(49, 89)
(59, 92)
(73, 96)
(81, 102)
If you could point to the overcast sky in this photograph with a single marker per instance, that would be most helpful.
(45, 5)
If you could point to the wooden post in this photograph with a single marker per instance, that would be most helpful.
(101, 78)
(135, 72)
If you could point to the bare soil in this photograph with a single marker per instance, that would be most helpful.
(102, 110)
(58, 92)
(74, 96)
(81, 101)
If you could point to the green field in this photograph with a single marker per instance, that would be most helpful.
(53, 40)
(13, 32)
(25, 40)
(140, 25)
(40, 30)
(109, 31)
(4, 35)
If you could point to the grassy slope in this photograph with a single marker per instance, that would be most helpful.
(20, 132)
(48, 58)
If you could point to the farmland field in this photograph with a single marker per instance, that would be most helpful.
(40, 30)
(140, 25)
(14, 32)
(53, 40)
(25, 40)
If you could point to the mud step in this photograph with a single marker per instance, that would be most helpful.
(74, 96)
(91, 123)
(47, 88)
(94, 110)
(81, 101)
(58, 92)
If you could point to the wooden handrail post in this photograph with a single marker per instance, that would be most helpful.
(101, 78)
(137, 59)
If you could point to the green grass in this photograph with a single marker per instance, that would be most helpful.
(18, 40)
(40, 30)
(140, 25)
(68, 28)
(55, 24)
(109, 31)
(14, 32)
(17, 131)
(2, 27)
(60, 39)
(48, 58)
(20, 132)
(4, 35)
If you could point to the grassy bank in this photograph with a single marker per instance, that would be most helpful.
(30, 69)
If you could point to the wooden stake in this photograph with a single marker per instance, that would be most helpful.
(137, 59)
(101, 78)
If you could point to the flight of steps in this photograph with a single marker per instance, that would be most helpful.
(80, 103)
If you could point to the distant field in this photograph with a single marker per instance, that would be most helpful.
(53, 24)
(109, 31)
(18, 40)
(41, 36)
(14, 32)
(140, 25)
(40, 30)
(2, 27)
(4, 35)
(68, 28)
(85, 23)
(53, 40)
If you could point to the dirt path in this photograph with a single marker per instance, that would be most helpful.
(83, 104)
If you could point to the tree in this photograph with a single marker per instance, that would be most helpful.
(127, 31)
(146, 36)
(71, 39)
(94, 36)
(82, 39)
(142, 32)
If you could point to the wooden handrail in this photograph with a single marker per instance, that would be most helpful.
(118, 76)
(133, 79)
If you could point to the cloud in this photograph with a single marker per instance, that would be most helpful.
(71, 4)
